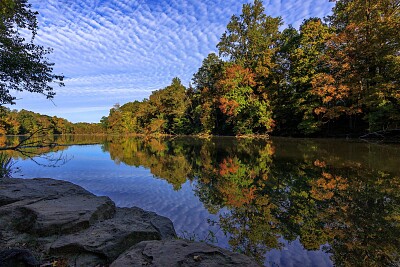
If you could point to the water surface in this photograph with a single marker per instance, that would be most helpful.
(286, 202)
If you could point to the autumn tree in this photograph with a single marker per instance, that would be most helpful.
(250, 41)
(206, 94)
(165, 112)
(364, 62)
(244, 110)
(305, 67)
(171, 104)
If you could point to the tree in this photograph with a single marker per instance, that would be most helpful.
(171, 104)
(250, 41)
(23, 64)
(305, 67)
(245, 112)
(206, 94)
(250, 38)
(366, 46)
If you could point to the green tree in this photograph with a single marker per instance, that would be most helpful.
(170, 105)
(23, 64)
(245, 112)
(206, 94)
(305, 65)
(250, 39)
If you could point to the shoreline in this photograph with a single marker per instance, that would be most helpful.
(53, 220)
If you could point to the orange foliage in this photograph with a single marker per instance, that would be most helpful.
(228, 107)
(3, 140)
(325, 187)
(236, 76)
(237, 197)
(324, 86)
(319, 163)
(228, 167)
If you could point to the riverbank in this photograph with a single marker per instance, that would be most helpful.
(46, 221)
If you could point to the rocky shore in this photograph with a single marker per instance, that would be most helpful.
(46, 220)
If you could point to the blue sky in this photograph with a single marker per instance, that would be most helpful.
(116, 51)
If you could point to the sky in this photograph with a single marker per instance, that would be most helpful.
(117, 51)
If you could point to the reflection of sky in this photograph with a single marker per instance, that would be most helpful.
(128, 186)
(294, 254)
(120, 50)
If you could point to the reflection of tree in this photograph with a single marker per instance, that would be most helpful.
(252, 227)
(362, 214)
(164, 159)
(236, 180)
(311, 191)
(346, 205)
(42, 148)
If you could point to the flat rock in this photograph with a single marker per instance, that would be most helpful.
(180, 253)
(59, 219)
(109, 238)
(13, 190)
(46, 207)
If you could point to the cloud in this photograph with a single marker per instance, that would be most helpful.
(124, 49)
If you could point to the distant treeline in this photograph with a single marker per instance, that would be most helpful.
(339, 76)
(13, 122)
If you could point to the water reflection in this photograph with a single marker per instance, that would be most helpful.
(332, 195)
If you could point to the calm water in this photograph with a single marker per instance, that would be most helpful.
(286, 202)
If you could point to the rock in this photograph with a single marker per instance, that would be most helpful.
(180, 253)
(13, 190)
(17, 257)
(45, 207)
(110, 238)
(62, 220)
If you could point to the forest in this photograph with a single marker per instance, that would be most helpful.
(336, 76)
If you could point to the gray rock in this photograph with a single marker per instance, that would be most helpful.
(59, 219)
(110, 238)
(17, 257)
(45, 207)
(13, 190)
(180, 253)
(62, 219)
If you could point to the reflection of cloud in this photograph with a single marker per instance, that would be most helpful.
(294, 254)
(134, 46)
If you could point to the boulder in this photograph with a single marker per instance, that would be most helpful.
(44, 207)
(17, 257)
(109, 238)
(57, 219)
(60, 219)
(181, 253)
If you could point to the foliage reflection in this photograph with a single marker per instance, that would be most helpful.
(342, 198)
(312, 191)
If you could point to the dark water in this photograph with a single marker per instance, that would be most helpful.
(286, 202)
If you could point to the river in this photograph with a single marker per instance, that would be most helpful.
(284, 201)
